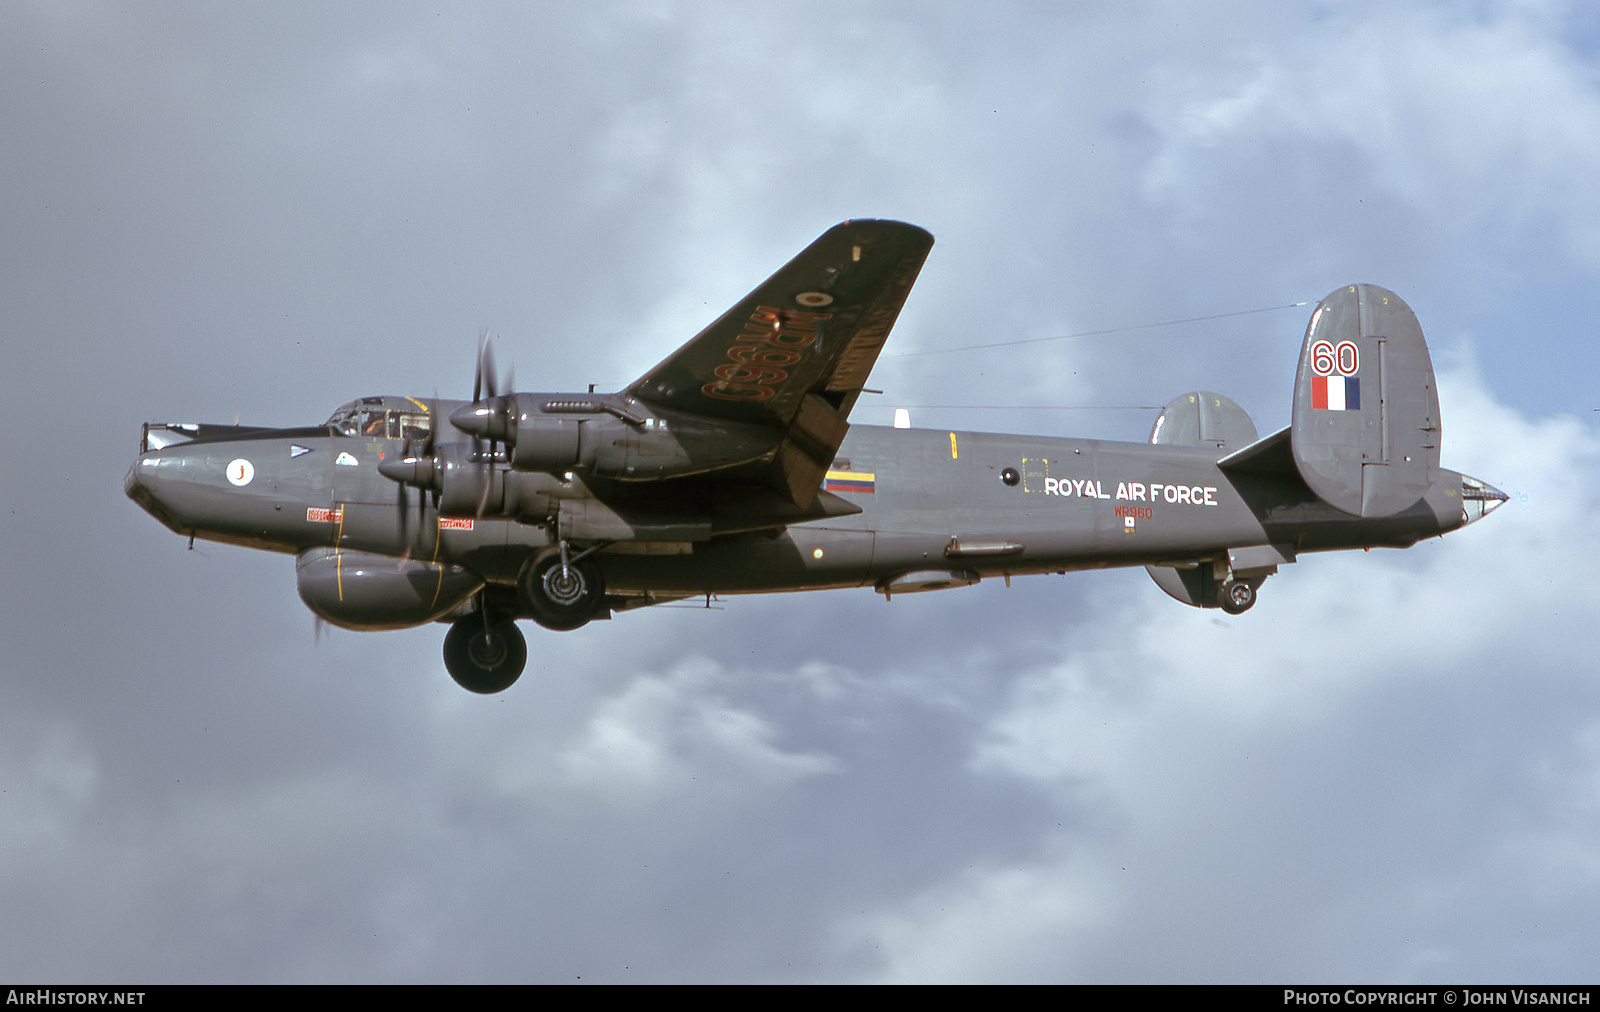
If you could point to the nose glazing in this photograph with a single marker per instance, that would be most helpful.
(1478, 499)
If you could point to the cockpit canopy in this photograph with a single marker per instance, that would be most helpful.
(383, 418)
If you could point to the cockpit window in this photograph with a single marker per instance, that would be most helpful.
(381, 418)
(414, 426)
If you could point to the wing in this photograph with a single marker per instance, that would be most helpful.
(794, 354)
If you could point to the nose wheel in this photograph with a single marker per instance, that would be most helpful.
(561, 590)
(484, 656)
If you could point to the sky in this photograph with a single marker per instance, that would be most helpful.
(1387, 771)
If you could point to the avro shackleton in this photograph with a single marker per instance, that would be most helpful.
(730, 468)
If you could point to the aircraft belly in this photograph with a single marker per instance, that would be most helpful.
(802, 557)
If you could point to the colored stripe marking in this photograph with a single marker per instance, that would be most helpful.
(1336, 393)
(860, 482)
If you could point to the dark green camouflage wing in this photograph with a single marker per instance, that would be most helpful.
(795, 353)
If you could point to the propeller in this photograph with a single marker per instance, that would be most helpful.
(487, 418)
(491, 407)
(489, 414)
(419, 468)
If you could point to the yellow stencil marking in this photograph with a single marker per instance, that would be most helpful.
(436, 539)
(338, 563)
(952, 446)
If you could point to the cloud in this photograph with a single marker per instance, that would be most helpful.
(1387, 770)
(1248, 797)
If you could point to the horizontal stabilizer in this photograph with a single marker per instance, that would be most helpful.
(1268, 457)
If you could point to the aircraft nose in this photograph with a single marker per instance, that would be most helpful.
(1478, 499)
(139, 483)
(143, 484)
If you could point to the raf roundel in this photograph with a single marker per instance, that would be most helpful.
(240, 471)
(813, 300)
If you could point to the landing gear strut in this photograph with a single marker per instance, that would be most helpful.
(562, 590)
(485, 654)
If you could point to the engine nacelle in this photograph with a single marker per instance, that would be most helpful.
(468, 487)
(546, 444)
(608, 436)
(660, 447)
(362, 591)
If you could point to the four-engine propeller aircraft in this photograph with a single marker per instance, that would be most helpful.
(731, 468)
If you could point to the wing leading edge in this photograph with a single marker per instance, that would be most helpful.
(794, 354)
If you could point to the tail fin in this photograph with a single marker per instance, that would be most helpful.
(1365, 431)
(1203, 418)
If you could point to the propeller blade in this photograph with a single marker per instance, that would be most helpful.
(483, 380)
(483, 475)
(433, 425)
(477, 375)
(405, 509)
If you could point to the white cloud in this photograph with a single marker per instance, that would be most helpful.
(662, 731)
(1197, 749)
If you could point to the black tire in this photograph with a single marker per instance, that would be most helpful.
(1236, 597)
(484, 660)
(558, 600)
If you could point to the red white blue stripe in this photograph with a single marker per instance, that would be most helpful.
(1336, 393)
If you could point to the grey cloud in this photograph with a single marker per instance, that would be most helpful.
(1386, 771)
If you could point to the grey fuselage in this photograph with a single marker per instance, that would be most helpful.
(930, 500)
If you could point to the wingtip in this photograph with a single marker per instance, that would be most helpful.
(886, 223)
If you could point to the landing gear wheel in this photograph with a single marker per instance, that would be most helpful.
(561, 597)
(1236, 597)
(484, 659)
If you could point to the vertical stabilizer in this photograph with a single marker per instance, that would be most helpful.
(1203, 418)
(1365, 433)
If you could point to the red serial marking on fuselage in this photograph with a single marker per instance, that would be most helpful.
(774, 338)
(318, 515)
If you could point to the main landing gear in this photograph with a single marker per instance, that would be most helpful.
(484, 652)
(560, 589)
